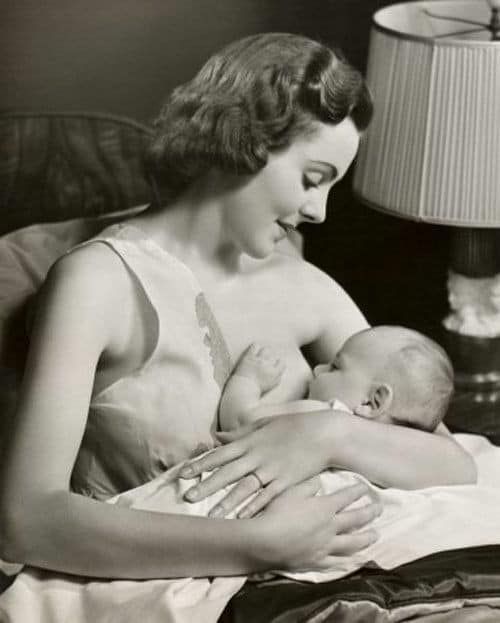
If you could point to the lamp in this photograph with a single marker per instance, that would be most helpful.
(432, 154)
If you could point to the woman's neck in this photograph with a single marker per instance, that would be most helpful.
(192, 228)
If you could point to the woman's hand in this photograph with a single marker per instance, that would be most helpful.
(303, 530)
(271, 454)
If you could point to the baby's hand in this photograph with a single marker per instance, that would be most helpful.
(261, 364)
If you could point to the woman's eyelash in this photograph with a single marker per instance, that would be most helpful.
(309, 183)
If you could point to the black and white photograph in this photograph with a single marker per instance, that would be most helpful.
(250, 311)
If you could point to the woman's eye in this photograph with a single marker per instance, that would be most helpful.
(312, 180)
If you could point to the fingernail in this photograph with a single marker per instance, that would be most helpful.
(192, 494)
(187, 471)
(243, 515)
(215, 512)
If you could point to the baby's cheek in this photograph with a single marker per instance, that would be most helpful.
(323, 388)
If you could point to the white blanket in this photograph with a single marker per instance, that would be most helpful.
(413, 524)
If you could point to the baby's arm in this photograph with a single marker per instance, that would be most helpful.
(257, 372)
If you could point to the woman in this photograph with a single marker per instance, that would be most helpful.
(136, 331)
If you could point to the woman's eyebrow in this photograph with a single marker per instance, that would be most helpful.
(332, 170)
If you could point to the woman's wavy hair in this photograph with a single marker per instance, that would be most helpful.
(251, 98)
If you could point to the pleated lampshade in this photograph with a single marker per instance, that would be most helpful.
(432, 152)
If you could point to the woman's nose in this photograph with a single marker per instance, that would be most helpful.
(314, 211)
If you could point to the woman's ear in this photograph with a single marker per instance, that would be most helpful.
(379, 401)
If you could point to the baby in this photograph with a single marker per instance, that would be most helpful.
(390, 374)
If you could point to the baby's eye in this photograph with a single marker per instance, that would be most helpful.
(313, 179)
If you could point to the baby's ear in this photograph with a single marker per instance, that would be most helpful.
(381, 397)
(379, 401)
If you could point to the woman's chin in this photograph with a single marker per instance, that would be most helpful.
(261, 251)
(261, 254)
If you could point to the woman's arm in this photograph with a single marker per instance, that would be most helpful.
(43, 524)
(396, 456)
(392, 456)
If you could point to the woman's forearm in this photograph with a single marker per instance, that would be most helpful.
(395, 456)
(77, 535)
(287, 449)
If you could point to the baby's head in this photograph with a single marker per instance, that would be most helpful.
(391, 374)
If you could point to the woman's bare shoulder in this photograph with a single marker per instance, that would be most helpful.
(93, 265)
(80, 296)
(91, 278)
(332, 314)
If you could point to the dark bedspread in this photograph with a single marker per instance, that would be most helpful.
(468, 574)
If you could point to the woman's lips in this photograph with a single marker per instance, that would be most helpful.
(286, 227)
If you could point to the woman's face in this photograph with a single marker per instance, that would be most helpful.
(291, 189)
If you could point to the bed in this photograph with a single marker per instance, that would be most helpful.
(79, 172)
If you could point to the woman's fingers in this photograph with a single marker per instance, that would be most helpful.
(307, 488)
(346, 544)
(251, 484)
(215, 458)
(346, 496)
(238, 494)
(260, 501)
(219, 479)
(347, 521)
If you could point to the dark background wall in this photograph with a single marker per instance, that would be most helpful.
(123, 56)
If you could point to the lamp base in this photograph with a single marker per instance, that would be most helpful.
(476, 361)
(472, 328)
(477, 417)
